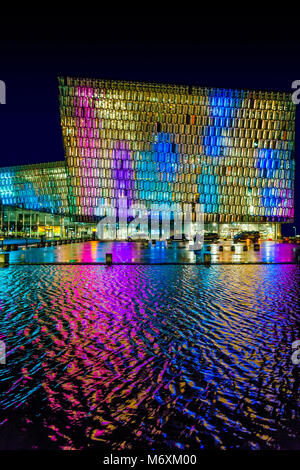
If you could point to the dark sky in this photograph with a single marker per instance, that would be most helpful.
(207, 50)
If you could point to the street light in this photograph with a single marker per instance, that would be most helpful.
(295, 231)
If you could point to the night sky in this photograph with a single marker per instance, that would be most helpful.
(208, 50)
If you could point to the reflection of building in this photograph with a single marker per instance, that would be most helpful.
(231, 150)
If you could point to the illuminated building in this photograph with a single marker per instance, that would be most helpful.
(34, 198)
(41, 187)
(231, 150)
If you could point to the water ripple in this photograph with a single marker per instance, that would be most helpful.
(185, 357)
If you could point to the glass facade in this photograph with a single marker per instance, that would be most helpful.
(41, 187)
(231, 150)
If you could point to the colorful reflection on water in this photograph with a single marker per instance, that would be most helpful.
(134, 252)
(149, 357)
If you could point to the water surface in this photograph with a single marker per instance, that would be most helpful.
(149, 357)
(138, 253)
